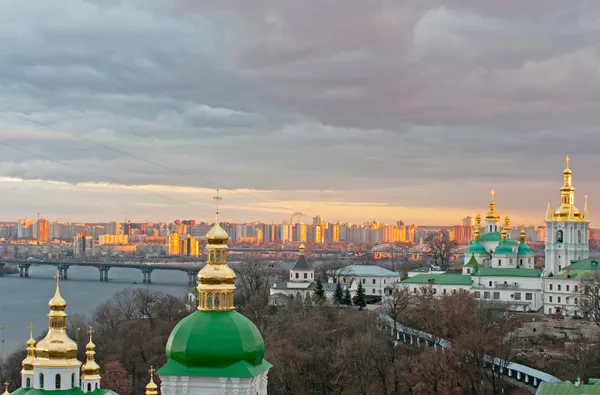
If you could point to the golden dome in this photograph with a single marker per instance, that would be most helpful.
(522, 235)
(5, 388)
(492, 215)
(27, 363)
(503, 234)
(90, 367)
(56, 349)
(217, 235)
(151, 387)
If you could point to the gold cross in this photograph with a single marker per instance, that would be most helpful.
(31, 326)
(57, 277)
(493, 194)
(91, 331)
(151, 371)
(567, 159)
(217, 198)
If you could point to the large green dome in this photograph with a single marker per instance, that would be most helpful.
(476, 248)
(215, 344)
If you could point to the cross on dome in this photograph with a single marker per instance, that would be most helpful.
(217, 198)
(91, 332)
(151, 371)
(567, 159)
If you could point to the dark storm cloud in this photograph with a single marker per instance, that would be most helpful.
(388, 101)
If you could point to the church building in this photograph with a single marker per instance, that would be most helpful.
(51, 364)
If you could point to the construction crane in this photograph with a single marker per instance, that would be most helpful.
(296, 214)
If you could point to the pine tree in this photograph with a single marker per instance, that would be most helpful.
(338, 294)
(319, 296)
(347, 298)
(360, 299)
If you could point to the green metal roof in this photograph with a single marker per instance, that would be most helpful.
(507, 272)
(567, 388)
(441, 279)
(504, 249)
(475, 247)
(584, 264)
(72, 391)
(215, 344)
(571, 274)
(511, 242)
(472, 262)
(524, 249)
(490, 236)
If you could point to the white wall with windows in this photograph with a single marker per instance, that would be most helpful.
(562, 295)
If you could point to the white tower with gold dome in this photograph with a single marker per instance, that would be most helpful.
(90, 371)
(27, 364)
(56, 366)
(566, 229)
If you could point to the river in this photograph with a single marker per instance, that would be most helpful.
(25, 300)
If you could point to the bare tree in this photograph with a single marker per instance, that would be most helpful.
(590, 296)
(440, 250)
(124, 301)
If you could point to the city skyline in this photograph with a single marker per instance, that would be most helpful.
(411, 110)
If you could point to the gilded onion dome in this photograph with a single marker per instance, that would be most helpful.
(567, 210)
(56, 349)
(151, 387)
(507, 223)
(90, 369)
(27, 363)
(492, 215)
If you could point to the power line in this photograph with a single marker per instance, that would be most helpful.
(122, 152)
(112, 180)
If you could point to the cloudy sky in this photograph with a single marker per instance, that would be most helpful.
(400, 109)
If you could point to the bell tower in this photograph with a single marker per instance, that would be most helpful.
(566, 229)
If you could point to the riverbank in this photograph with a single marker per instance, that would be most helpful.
(9, 269)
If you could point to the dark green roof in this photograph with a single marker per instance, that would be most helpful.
(504, 249)
(571, 274)
(507, 272)
(215, 344)
(302, 263)
(472, 262)
(567, 388)
(490, 236)
(72, 391)
(475, 247)
(441, 279)
(524, 249)
(584, 264)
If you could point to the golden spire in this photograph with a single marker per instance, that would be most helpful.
(27, 363)
(56, 348)
(567, 198)
(216, 281)
(477, 226)
(584, 216)
(492, 215)
(90, 368)
(523, 235)
(151, 387)
(507, 222)
(5, 388)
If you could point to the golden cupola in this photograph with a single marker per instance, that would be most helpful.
(56, 349)
(567, 210)
(27, 363)
(90, 369)
(507, 223)
(503, 234)
(477, 227)
(216, 280)
(492, 214)
(522, 235)
(151, 387)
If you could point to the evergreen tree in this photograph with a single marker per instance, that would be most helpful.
(360, 299)
(347, 298)
(338, 294)
(319, 296)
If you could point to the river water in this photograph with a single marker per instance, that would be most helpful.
(25, 300)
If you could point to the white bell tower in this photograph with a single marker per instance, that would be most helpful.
(567, 229)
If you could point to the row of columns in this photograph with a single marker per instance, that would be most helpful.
(147, 276)
(24, 269)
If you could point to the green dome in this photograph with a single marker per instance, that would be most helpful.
(490, 236)
(476, 248)
(511, 242)
(215, 344)
(504, 249)
(524, 249)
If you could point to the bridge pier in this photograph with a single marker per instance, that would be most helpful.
(24, 269)
(62, 271)
(147, 272)
(1, 269)
(103, 273)
(192, 277)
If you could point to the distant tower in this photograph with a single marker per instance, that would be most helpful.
(27, 364)
(90, 371)
(566, 229)
(302, 270)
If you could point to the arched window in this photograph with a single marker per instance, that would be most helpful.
(521, 262)
(217, 300)
(559, 236)
(96, 385)
(57, 382)
(73, 380)
(579, 236)
(89, 387)
(28, 382)
(42, 380)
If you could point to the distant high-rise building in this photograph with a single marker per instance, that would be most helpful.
(114, 228)
(463, 233)
(83, 245)
(174, 244)
(190, 246)
(317, 220)
(467, 221)
(43, 234)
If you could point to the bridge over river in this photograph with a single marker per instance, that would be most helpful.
(191, 268)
